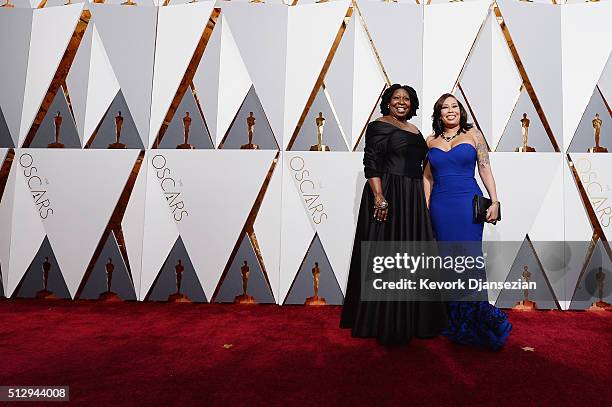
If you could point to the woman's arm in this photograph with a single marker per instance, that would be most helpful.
(373, 162)
(427, 182)
(486, 174)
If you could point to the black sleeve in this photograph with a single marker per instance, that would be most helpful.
(374, 152)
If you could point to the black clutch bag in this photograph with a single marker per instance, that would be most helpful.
(481, 204)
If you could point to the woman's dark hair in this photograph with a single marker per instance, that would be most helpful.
(388, 93)
(438, 126)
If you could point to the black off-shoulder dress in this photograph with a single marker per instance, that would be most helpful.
(396, 156)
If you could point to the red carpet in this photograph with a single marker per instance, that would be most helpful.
(173, 354)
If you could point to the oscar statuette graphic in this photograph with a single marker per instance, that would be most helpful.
(600, 305)
(251, 130)
(45, 293)
(186, 126)
(526, 304)
(244, 298)
(178, 296)
(118, 125)
(128, 3)
(597, 129)
(525, 148)
(108, 295)
(320, 120)
(315, 299)
(57, 120)
(8, 4)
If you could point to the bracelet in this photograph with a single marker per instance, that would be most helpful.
(494, 202)
(383, 205)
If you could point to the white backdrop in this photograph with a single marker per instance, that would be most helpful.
(221, 60)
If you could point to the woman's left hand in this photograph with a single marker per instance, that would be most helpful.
(493, 212)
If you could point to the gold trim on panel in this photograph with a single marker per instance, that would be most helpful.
(469, 107)
(60, 75)
(114, 225)
(199, 105)
(365, 126)
(248, 229)
(189, 74)
(365, 27)
(5, 170)
(535, 253)
(525, 77)
(319, 82)
(604, 99)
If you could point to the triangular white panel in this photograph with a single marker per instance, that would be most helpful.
(77, 80)
(364, 82)
(179, 30)
(52, 29)
(160, 231)
(15, 30)
(269, 22)
(595, 171)
(333, 203)
(518, 215)
(577, 224)
(210, 228)
(548, 225)
(103, 86)
(133, 224)
(267, 227)
(386, 22)
(83, 190)
(586, 33)
(307, 50)
(538, 44)
(506, 81)
(91, 83)
(28, 236)
(222, 80)
(128, 35)
(476, 78)
(441, 69)
(605, 82)
(6, 219)
(297, 229)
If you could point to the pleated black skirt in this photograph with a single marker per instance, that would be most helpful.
(391, 322)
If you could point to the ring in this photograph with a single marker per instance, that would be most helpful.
(383, 205)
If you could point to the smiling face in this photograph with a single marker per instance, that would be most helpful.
(450, 112)
(399, 106)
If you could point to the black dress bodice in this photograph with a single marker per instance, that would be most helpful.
(389, 149)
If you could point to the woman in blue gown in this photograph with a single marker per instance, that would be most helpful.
(455, 148)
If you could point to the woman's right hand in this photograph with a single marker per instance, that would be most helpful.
(381, 208)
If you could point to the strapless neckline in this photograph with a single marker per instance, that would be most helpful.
(452, 148)
(396, 127)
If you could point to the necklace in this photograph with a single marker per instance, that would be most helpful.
(448, 139)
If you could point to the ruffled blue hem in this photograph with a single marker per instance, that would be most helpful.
(477, 324)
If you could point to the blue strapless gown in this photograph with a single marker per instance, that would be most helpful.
(471, 323)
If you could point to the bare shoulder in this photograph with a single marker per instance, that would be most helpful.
(429, 139)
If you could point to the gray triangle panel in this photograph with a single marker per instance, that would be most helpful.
(332, 136)
(303, 285)
(107, 133)
(166, 282)
(120, 281)
(257, 286)
(5, 134)
(542, 294)
(237, 134)
(199, 136)
(584, 137)
(596, 282)
(68, 134)
(32, 281)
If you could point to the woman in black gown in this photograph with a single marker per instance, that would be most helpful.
(393, 208)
